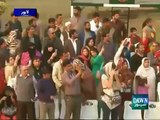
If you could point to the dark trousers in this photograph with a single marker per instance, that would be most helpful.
(106, 111)
(73, 107)
(25, 110)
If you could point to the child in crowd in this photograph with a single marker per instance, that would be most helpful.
(46, 94)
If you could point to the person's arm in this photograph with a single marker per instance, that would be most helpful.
(98, 38)
(144, 35)
(69, 81)
(52, 57)
(55, 76)
(119, 52)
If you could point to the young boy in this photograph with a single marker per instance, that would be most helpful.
(46, 94)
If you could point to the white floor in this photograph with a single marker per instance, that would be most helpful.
(87, 112)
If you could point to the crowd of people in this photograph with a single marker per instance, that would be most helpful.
(76, 61)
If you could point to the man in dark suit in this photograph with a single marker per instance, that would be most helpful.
(86, 33)
(73, 45)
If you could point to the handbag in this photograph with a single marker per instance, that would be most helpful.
(9, 111)
(115, 99)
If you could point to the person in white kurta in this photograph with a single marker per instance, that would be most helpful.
(149, 73)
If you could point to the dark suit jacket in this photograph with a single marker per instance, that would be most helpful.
(68, 46)
(25, 43)
(82, 36)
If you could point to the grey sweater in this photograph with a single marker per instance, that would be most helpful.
(25, 88)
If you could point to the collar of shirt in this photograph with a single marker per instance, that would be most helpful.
(74, 45)
(25, 76)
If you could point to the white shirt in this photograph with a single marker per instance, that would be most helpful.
(74, 45)
(62, 38)
(93, 26)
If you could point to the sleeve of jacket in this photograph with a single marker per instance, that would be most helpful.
(98, 38)
(55, 78)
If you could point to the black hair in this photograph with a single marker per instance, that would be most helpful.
(46, 70)
(71, 32)
(86, 22)
(88, 40)
(96, 14)
(57, 15)
(133, 29)
(10, 57)
(51, 20)
(36, 58)
(78, 8)
(146, 22)
(64, 52)
(94, 49)
(66, 62)
(115, 12)
(105, 20)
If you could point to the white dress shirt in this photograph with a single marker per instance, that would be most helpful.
(74, 45)
(93, 26)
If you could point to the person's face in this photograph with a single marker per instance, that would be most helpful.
(134, 32)
(87, 27)
(85, 52)
(150, 23)
(97, 19)
(65, 56)
(146, 63)
(68, 27)
(31, 30)
(93, 53)
(91, 43)
(11, 61)
(60, 19)
(50, 49)
(116, 16)
(75, 12)
(36, 63)
(34, 23)
(24, 71)
(106, 24)
(69, 67)
(52, 24)
(154, 47)
(52, 34)
(15, 18)
(125, 65)
(75, 35)
(141, 49)
(106, 38)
